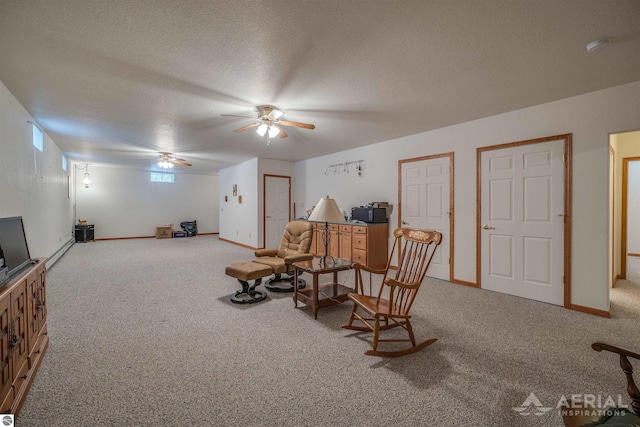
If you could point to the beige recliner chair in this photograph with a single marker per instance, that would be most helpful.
(294, 247)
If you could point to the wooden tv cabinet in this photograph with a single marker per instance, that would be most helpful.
(23, 334)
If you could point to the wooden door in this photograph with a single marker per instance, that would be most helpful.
(5, 350)
(345, 242)
(41, 303)
(19, 320)
(276, 208)
(33, 309)
(426, 203)
(522, 217)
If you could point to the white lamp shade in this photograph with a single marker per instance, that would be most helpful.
(262, 129)
(86, 180)
(327, 210)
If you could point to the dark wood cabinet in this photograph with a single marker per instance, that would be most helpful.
(23, 334)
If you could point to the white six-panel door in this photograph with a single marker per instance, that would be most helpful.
(522, 221)
(276, 201)
(425, 203)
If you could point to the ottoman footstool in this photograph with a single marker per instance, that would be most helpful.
(245, 271)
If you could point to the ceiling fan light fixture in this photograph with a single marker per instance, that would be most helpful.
(598, 44)
(262, 129)
(273, 131)
(276, 114)
(164, 164)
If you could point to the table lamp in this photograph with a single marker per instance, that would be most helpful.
(326, 210)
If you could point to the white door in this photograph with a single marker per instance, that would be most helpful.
(425, 187)
(522, 220)
(276, 202)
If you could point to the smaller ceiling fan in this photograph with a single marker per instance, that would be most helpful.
(166, 161)
(268, 122)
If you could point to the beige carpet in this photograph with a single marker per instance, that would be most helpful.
(143, 334)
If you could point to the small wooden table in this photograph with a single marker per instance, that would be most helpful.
(321, 295)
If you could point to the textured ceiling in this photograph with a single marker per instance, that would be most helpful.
(114, 82)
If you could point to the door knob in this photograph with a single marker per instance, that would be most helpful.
(404, 222)
(488, 227)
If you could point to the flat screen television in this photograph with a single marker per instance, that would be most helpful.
(13, 244)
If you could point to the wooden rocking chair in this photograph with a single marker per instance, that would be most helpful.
(390, 307)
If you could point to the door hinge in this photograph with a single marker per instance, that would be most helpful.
(564, 157)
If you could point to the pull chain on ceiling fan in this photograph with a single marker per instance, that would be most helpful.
(268, 122)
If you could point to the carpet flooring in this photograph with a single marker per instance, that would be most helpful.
(143, 334)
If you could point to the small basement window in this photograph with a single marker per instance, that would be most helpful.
(38, 139)
(162, 177)
(64, 163)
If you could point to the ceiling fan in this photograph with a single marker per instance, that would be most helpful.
(269, 122)
(166, 161)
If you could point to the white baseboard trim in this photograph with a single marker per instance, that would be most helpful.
(53, 258)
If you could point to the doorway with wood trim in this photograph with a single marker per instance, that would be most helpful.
(524, 219)
(425, 200)
(630, 250)
(276, 209)
(624, 223)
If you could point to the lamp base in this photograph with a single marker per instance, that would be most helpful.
(324, 259)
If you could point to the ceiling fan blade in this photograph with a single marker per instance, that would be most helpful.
(181, 162)
(234, 115)
(282, 133)
(297, 124)
(252, 125)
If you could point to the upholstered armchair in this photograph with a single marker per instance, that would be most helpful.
(294, 247)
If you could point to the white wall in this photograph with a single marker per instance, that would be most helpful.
(34, 185)
(244, 223)
(590, 118)
(123, 202)
(238, 221)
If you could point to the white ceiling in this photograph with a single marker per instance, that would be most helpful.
(114, 82)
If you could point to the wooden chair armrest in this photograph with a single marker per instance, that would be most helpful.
(627, 368)
(599, 346)
(266, 252)
(393, 282)
(358, 266)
